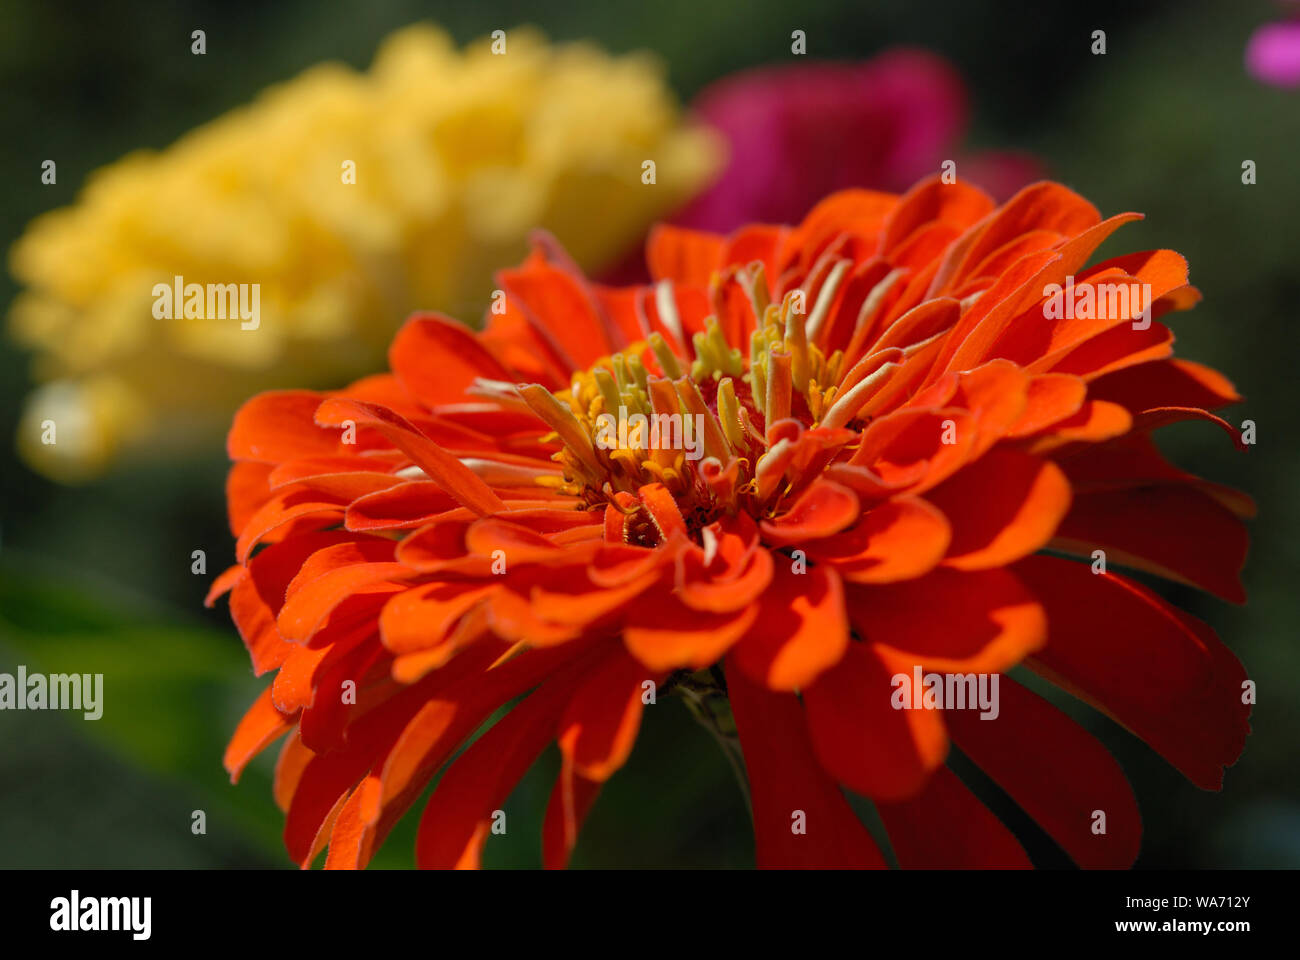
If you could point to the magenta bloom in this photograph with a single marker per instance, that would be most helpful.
(799, 132)
(1273, 54)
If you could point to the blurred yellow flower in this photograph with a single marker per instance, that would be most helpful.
(351, 199)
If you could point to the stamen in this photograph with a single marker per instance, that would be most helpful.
(715, 443)
(756, 288)
(667, 359)
(608, 390)
(797, 344)
(561, 419)
(751, 431)
(639, 375)
(729, 415)
(779, 387)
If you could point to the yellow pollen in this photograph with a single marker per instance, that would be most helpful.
(705, 426)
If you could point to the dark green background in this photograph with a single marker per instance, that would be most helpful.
(97, 578)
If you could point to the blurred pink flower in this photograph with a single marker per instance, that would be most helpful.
(1273, 54)
(797, 133)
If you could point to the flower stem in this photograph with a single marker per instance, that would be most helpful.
(706, 698)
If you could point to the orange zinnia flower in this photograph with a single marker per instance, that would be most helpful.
(896, 420)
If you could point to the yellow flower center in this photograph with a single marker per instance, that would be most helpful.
(714, 431)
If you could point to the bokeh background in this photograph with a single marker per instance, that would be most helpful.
(97, 578)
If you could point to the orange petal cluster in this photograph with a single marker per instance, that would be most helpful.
(885, 470)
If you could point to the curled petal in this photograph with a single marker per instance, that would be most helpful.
(801, 629)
